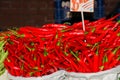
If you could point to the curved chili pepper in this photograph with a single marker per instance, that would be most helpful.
(114, 17)
(96, 60)
(116, 25)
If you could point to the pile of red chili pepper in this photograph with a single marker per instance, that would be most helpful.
(52, 47)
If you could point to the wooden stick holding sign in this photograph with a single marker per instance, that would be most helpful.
(82, 6)
(82, 15)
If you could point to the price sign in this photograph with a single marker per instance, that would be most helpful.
(82, 5)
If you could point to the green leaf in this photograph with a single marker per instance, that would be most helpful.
(4, 57)
(119, 79)
(1, 65)
(2, 43)
(1, 72)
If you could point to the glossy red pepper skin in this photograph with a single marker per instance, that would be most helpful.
(114, 17)
(53, 47)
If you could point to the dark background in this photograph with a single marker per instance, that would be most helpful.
(16, 13)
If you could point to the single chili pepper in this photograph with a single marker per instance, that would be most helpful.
(51, 63)
(80, 62)
(47, 70)
(68, 29)
(91, 31)
(89, 38)
(114, 63)
(100, 37)
(23, 30)
(41, 59)
(33, 29)
(84, 43)
(101, 55)
(33, 33)
(28, 60)
(112, 54)
(9, 65)
(37, 74)
(79, 24)
(108, 26)
(87, 56)
(105, 63)
(74, 33)
(55, 25)
(74, 65)
(97, 21)
(115, 42)
(116, 33)
(22, 61)
(96, 60)
(114, 17)
(101, 26)
(116, 25)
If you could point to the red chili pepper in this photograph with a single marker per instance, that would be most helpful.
(74, 33)
(74, 65)
(101, 55)
(79, 24)
(80, 62)
(114, 63)
(114, 17)
(100, 37)
(97, 22)
(96, 60)
(42, 51)
(58, 26)
(116, 25)
(112, 54)
(14, 70)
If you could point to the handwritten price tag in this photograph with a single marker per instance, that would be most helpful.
(82, 5)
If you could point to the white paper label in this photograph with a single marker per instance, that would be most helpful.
(82, 5)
